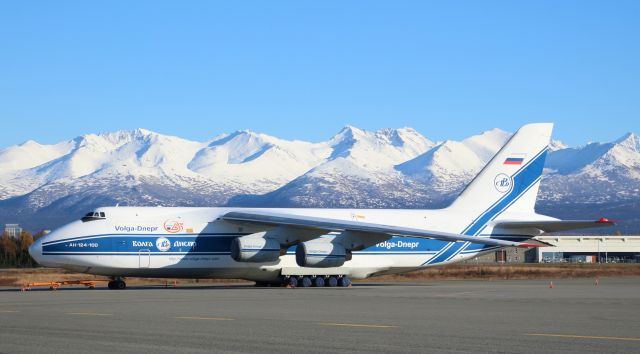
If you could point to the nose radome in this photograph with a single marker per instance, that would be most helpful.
(35, 250)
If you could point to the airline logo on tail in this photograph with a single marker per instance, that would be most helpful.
(502, 182)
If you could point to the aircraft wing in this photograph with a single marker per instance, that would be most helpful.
(555, 225)
(329, 225)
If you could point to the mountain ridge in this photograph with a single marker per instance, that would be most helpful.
(43, 185)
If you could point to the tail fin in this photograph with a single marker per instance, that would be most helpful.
(512, 178)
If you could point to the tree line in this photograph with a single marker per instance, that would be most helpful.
(14, 251)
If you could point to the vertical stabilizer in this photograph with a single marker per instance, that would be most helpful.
(512, 177)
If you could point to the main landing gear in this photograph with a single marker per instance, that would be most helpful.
(117, 284)
(319, 281)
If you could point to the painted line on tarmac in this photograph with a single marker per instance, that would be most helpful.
(89, 314)
(582, 337)
(205, 318)
(8, 311)
(455, 294)
(357, 325)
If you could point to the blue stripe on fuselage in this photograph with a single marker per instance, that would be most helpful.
(219, 244)
(105, 244)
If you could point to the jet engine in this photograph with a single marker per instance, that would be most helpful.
(255, 249)
(320, 254)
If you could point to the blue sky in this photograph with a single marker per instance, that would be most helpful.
(304, 69)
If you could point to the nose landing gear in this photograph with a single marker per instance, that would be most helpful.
(117, 284)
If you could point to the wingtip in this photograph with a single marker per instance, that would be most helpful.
(531, 245)
(604, 220)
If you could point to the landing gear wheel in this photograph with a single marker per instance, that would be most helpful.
(332, 282)
(305, 282)
(117, 284)
(292, 282)
(318, 282)
(344, 281)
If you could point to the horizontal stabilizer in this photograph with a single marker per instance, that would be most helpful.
(331, 225)
(555, 225)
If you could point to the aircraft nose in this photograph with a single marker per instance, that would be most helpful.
(35, 250)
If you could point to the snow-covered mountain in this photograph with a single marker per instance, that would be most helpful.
(595, 173)
(43, 186)
(452, 164)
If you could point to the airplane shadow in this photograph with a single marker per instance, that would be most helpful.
(190, 287)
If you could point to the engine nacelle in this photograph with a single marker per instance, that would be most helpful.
(320, 254)
(255, 249)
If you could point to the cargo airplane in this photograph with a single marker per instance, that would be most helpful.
(314, 247)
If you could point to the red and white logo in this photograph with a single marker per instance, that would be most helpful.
(173, 226)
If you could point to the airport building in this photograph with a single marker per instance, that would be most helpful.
(589, 249)
(506, 255)
(13, 230)
(576, 249)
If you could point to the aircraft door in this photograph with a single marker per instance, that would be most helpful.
(144, 258)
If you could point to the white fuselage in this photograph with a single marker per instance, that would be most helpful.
(195, 243)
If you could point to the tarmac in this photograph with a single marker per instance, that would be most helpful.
(575, 316)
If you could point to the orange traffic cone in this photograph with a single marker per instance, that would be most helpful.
(551, 286)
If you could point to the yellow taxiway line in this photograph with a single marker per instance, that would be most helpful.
(582, 337)
(357, 325)
(205, 318)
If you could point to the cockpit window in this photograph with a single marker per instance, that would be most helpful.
(94, 215)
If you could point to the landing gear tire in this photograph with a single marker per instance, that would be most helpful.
(344, 281)
(117, 285)
(305, 282)
(318, 282)
(292, 282)
(332, 282)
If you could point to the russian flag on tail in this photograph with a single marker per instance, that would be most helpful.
(513, 160)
